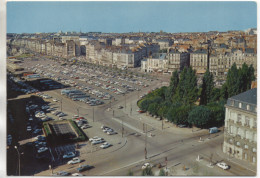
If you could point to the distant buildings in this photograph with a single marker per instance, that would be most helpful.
(216, 51)
(240, 136)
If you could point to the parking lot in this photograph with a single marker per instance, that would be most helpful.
(98, 83)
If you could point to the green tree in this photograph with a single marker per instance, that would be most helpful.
(232, 82)
(147, 172)
(216, 94)
(178, 113)
(207, 88)
(162, 172)
(246, 76)
(173, 85)
(200, 116)
(153, 108)
(187, 91)
(217, 112)
(130, 173)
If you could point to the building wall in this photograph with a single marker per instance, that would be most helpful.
(240, 137)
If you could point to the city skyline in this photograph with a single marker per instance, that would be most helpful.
(122, 17)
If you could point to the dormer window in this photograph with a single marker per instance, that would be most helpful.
(248, 107)
(240, 105)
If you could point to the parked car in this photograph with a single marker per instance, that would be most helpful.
(120, 107)
(42, 149)
(84, 168)
(37, 131)
(74, 161)
(29, 128)
(97, 142)
(94, 138)
(76, 174)
(69, 155)
(105, 145)
(85, 126)
(223, 165)
(62, 173)
(111, 133)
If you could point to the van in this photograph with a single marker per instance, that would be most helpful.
(213, 130)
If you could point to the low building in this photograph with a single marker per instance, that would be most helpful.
(240, 136)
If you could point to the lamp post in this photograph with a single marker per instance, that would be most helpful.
(93, 114)
(61, 104)
(125, 101)
(18, 159)
(78, 110)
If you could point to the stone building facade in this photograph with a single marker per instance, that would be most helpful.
(240, 136)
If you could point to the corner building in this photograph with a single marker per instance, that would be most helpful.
(240, 136)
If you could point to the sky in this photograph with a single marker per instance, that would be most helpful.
(120, 17)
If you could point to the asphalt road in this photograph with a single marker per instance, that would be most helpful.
(127, 152)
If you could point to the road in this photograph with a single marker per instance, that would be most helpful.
(127, 153)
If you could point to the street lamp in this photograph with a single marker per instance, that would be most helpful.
(78, 110)
(18, 159)
(61, 104)
(93, 114)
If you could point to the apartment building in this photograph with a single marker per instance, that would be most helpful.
(158, 63)
(240, 136)
(177, 60)
(199, 60)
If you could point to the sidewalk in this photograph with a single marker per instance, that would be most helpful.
(236, 161)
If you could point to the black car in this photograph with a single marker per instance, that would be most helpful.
(84, 168)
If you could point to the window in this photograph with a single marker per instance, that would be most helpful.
(248, 107)
(230, 141)
(246, 146)
(254, 150)
(239, 118)
(245, 156)
(238, 143)
(254, 159)
(240, 105)
(246, 121)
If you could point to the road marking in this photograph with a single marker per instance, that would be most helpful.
(123, 167)
(129, 126)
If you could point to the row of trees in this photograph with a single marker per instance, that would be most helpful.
(183, 102)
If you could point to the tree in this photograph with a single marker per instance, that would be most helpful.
(217, 112)
(187, 91)
(178, 114)
(200, 116)
(153, 108)
(207, 88)
(147, 172)
(232, 82)
(162, 172)
(173, 85)
(130, 173)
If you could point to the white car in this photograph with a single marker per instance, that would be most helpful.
(146, 165)
(55, 100)
(42, 149)
(69, 155)
(111, 133)
(105, 145)
(223, 165)
(76, 174)
(29, 128)
(30, 118)
(74, 161)
(107, 130)
(97, 142)
(94, 138)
